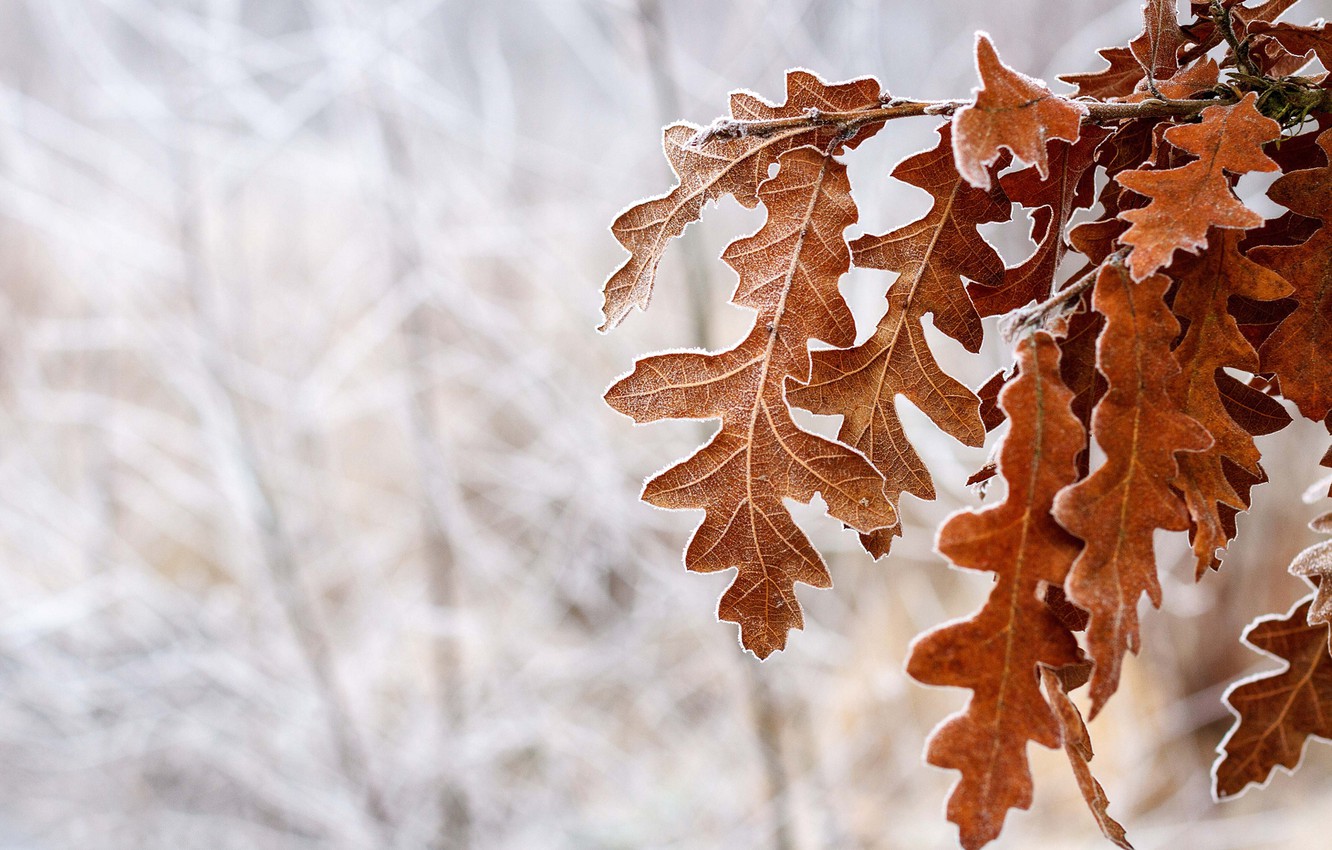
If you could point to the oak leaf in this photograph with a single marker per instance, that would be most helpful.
(1297, 351)
(932, 256)
(1205, 34)
(1077, 366)
(1276, 713)
(995, 653)
(1117, 80)
(721, 166)
(1186, 82)
(1011, 110)
(1213, 481)
(789, 271)
(1077, 745)
(1188, 200)
(1116, 510)
(1299, 40)
(1053, 199)
(1157, 47)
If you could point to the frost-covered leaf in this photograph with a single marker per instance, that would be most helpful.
(1187, 201)
(933, 256)
(1116, 510)
(1077, 745)
(789, 272)
(995, 652)
(723, 166)
(1013, 111)
(1276, 713)
(1297, 351)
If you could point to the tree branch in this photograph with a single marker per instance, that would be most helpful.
(1098, 112)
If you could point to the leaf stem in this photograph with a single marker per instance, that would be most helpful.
(1038, 316)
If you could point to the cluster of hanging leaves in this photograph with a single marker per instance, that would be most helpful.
(1165, 329)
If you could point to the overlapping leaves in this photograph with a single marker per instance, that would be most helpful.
(1146, 368)
(996, 652)
(734, 166)
(932, 257)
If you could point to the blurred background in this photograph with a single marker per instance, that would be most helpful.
(315, 533)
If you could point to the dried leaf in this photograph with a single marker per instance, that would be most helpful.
(992, 416)
(1204, 391)
(1299, 40)
(932, 256)
(1011, 111)
(1186, 82)
(1297, 350)
(995, 653)
(1077, 366)
(1118, 508)
(1276, 713)
(1054, 197)
(1207, 35)
(1158, 45)
(721, 167)
(1187, 201)
(1077, 744)
(789, 272)
(1118, 80)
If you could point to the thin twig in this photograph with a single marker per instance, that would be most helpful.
(1239, 49)
(1098, 112)
(1020, 322)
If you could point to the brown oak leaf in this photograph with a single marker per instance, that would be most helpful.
(1188, 200)
(1011, 110)
(1116, 510)
(724, 166)
(1077, 745)
(1157, 47)
(789, 271)
(1053, 198)
(1299, 40)
(995, 653)
(1203, 390)
(932, 256)
(1117, 80)
(1207, 35)
(1297, 351)
(1077, 366)
(1186, 82)
(1276, 713)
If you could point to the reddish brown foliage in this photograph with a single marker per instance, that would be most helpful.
(1077, 744)
(733, 167)
(1315, 563)
(995, 653)
(1186, 326)
(1187, 200)
(932, 256)
(1160, 41)
(1203, 388)
(1011, 111)
(788, 275)
(1276, 713)
(1117, 508)
(1053, 198)
(1297, 352)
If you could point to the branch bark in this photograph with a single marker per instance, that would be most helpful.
(1098, 112)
